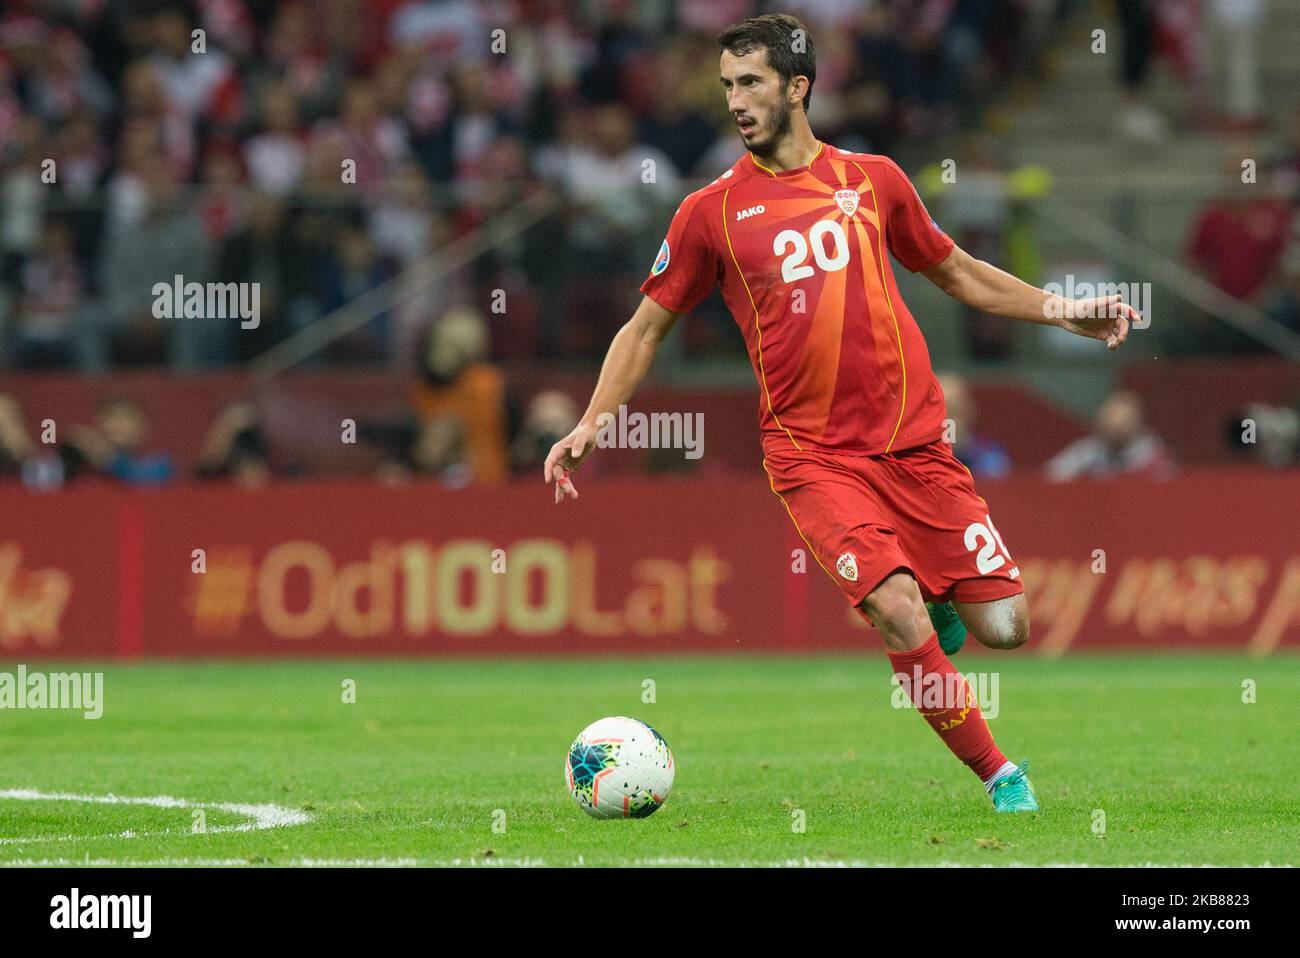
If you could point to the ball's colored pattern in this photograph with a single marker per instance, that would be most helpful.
(619, 767)
(585, 761)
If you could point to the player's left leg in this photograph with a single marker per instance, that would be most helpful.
(997, 623)
(940, 693)
(971, 582)
(958, 555)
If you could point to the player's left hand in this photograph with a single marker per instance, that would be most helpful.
(1102, 317)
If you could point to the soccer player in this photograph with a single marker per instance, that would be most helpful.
(851, 415)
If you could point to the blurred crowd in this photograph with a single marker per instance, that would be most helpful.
(324, 149)
(319, 147)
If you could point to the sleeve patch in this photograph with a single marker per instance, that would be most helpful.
(661, 261)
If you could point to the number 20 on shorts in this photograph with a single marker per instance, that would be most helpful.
(991, 552)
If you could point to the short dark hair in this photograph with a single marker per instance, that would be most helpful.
(777, 34)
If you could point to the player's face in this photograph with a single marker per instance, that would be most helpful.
(756, 100)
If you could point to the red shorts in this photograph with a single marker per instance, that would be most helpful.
(865, 517)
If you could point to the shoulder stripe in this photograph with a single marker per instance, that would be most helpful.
(884, 281)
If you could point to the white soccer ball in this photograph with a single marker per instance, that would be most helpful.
(619, 768)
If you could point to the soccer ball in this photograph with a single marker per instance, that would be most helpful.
(619, 768)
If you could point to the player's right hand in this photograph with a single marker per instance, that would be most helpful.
(565, 456)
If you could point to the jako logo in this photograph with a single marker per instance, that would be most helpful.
(752, 211)
(103, 911)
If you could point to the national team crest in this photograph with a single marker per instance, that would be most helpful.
(847, 565)
(847, 200)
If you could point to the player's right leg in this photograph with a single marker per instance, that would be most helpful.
(897, 611)
(948, 624)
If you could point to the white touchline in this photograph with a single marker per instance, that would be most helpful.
(259, 816)
(540, 862)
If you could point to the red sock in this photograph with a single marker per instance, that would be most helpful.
(947, 702)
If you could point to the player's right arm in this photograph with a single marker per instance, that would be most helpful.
(628, 360)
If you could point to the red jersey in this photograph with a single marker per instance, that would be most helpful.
(841, 364)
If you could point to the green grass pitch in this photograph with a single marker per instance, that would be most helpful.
(461, 761)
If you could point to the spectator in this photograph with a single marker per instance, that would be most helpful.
(145, 103)
(609, 204)
(168, 242)
(222, 200)
(126, 193)
(39, 466)
(1237, 243)
(1138, 119)
(65, 81)
(374, 143)
(236, 447)
(1237, 22)
(984, 457)
(196, 88)
(1237, 240)
(356, 268)
(401, 222)
(551, 415)
(436, 450)
(1267, 433)
(16, 446)
(294, 53)
(459, 383)
(260, 253)
(22, 195)
(881, 93)
(276, 155)
(114, 448)
(679, 128)
(1121, 445)
(82, 157)
(50, 291)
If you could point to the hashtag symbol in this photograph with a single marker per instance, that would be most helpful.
(220, 596)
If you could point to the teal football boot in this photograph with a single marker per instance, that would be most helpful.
(946, 621)
(1013, 793)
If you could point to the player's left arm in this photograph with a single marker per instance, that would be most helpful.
(983, 286)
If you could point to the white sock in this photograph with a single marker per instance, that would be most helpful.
(1006, 769)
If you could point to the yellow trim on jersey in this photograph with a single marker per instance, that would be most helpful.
(820, 146)
(762, 374)
(884, 281)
